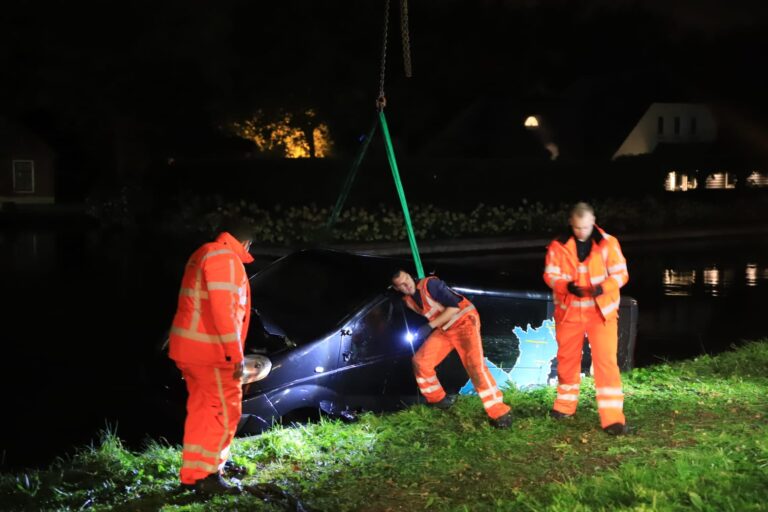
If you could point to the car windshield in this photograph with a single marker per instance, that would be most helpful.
(308, 294)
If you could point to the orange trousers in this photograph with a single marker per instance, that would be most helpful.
(464, 337)
(603, 340)
(213, 412)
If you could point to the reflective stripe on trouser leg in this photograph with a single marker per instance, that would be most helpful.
(213, 412)
(603, 339)
(570, 343)
(432, 352)
(465, 337)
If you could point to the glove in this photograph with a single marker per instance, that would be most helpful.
(597, 290)
(579, 292)
(423, 332)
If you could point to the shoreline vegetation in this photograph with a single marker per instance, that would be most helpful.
(701, 444)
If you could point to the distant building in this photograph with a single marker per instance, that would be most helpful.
(669, 123)
(27, 172)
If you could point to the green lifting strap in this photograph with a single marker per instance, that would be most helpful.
(351, 175)
(401, 194)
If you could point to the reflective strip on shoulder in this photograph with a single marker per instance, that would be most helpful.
(223, 285)
(203, 337)
(217, 253)
(458, 315)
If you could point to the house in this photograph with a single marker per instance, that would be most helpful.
(698, 148)
(27, 172)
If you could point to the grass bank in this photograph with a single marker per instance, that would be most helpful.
(701, 444)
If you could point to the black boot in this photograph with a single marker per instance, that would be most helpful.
(214, 484)
(560, 415)
(617, 429)
(445, 403)
(504, 421)
(231, 469)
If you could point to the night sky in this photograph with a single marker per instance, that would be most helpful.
(123, 84)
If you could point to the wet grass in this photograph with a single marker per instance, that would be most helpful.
(701, 444)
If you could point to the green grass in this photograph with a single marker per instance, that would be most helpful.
(701, 444)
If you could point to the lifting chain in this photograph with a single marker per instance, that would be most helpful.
(406, 38)
(381, 100)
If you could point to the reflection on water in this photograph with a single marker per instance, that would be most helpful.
(715, 281)
(679, 283)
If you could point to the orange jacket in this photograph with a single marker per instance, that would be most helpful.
(605, 266)
(430, 308)
(214, 308)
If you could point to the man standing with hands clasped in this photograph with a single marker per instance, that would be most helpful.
(585, 269)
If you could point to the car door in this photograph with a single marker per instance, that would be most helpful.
(370, 344)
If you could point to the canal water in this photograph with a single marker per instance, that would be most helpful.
(85, 310)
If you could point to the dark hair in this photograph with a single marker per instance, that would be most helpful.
(238, 228)
(396, 271)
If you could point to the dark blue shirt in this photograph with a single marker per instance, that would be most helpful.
(441, 293)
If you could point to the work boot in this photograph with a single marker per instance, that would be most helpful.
(232, 469)
(445, 403)
(557, 415)
(617, 429)
(214, 484)
(504, 421)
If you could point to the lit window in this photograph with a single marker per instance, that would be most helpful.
(24, 176)
(531, 122)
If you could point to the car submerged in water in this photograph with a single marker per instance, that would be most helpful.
(328, 336)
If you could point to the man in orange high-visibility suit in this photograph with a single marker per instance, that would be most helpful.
(585, 269)
(206, 342)
(454, 324)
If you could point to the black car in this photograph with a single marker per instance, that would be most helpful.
(328, 335)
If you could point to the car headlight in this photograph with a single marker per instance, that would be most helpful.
(256, 368)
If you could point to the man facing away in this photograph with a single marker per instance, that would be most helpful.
(206, 342)
(585, 269)
(453, 324)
